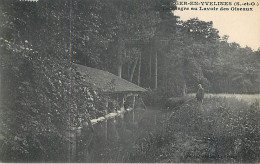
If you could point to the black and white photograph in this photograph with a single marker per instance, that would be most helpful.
(129, 81)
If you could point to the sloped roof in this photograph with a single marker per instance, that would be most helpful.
(106, 81)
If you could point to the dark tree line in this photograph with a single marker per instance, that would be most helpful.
(139, 40)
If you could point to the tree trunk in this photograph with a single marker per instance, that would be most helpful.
(133, 70)
(184, 89)
(150, 71)
(165, 71)
(119, 70)
(155, 71)
(120, 51)
(139, 70)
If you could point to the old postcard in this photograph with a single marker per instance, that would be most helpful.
(130, 81)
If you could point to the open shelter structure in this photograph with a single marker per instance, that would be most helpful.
(112, 86)
(112, 126)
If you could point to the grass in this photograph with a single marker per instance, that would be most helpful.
(225, 130)
(250, 98)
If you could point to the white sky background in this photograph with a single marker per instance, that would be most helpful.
(242, 27)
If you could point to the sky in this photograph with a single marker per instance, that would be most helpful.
(242, 27)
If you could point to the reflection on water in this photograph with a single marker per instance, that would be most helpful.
(118, 139)
(114, 140)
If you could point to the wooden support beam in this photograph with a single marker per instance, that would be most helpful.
(134, 108)
(106, 131)
(106, 120)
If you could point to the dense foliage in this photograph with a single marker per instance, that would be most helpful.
(226, 131)
(42, 96)
(38, 101)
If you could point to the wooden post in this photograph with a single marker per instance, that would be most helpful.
(134, 108)
(106, 111)
(134, 101)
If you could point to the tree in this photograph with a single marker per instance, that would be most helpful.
(39, 80)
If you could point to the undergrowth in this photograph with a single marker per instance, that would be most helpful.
(224, 130)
